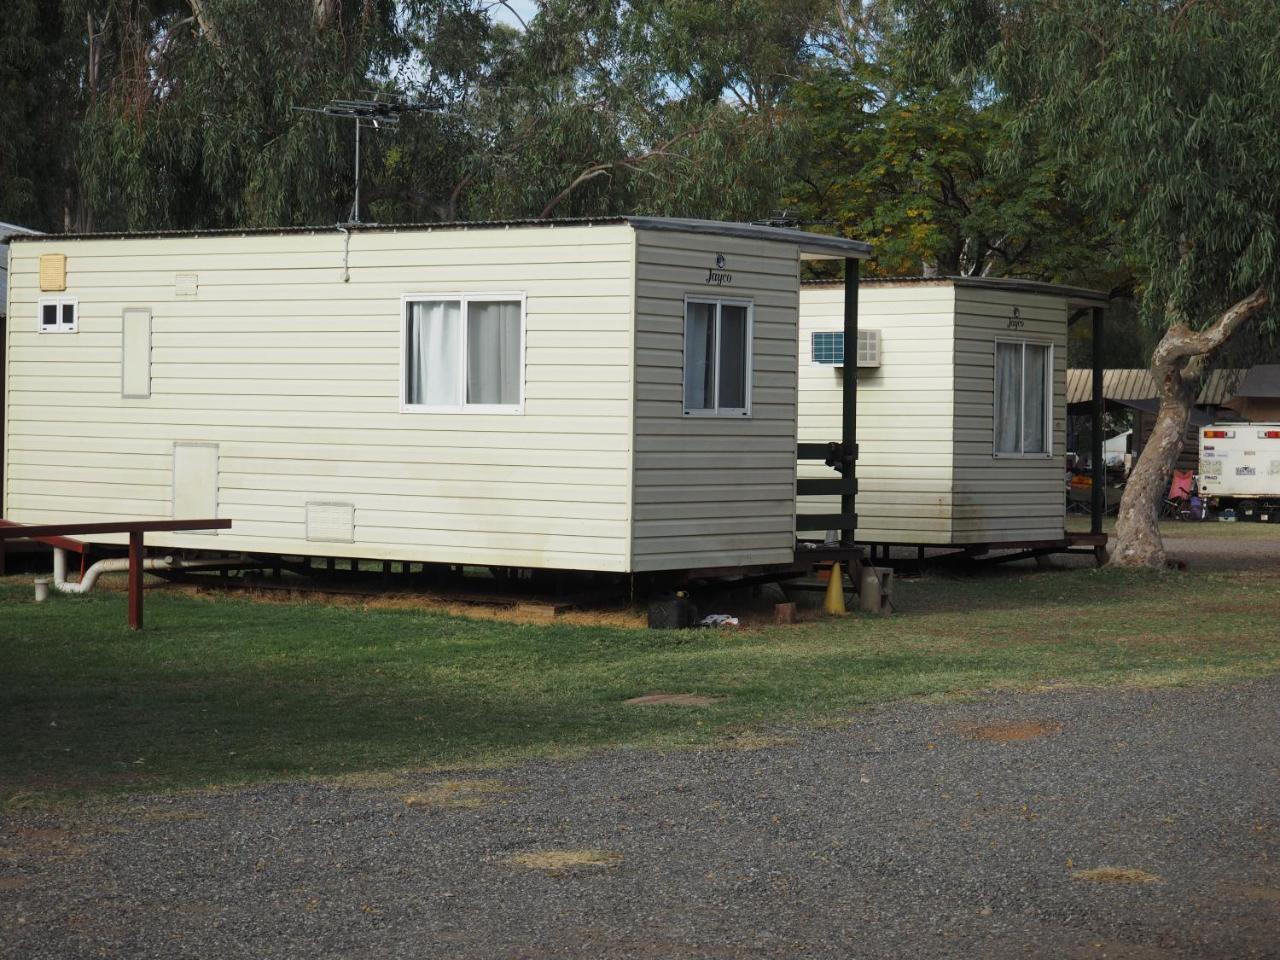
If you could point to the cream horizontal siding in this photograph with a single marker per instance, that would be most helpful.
(1005, 499)
(905, 408)
(713, 491)
(296, 376)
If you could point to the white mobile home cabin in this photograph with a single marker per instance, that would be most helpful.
(961, 406)
(608, 395)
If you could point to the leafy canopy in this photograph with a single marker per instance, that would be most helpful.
(1163, 111)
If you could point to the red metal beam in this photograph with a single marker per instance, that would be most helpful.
(19, 531)
(64, 543)
(135, 580)
(134, 528)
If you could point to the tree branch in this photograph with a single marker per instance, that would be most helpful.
(1182, 343)
(205, 24)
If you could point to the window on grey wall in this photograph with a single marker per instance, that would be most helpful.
(463, 353)
(1023, 398)
(717, 357)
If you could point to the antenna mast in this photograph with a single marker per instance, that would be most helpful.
(375, 113)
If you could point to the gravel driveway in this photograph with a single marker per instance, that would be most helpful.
(915, 831)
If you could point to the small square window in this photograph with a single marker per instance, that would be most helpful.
(58, 315)
(717, 358)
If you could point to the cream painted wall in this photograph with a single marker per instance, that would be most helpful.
(905, 408)
(295, 375)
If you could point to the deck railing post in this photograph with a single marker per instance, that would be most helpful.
(135, 580)
(849, 399)
(1098, 503)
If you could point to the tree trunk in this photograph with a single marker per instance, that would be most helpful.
(1138, 542)
(1176, 365)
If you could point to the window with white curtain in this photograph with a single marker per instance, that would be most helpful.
(1024, 398)
(717, 357)
(464, 352)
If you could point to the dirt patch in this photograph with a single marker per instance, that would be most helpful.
(1122, 875)
(456, 794)
(563, 861)
(13, 883)
(1245, 892)
(671, 700)
(509, 612)
(1014, 731)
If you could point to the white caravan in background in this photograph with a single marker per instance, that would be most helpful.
(1240, 469)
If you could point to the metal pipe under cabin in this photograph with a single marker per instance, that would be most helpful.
(1098, 504)
(849, 402)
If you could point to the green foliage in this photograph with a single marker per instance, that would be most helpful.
(928, 172)
(1165, 114)
(37, 113)
(182, 113)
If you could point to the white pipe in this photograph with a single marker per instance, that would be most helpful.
(61, 584)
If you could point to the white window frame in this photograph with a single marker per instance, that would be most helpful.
(1023, 342)
(463, 299)
(718, 302)
(59, 303)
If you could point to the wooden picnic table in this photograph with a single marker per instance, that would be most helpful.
(52, 532)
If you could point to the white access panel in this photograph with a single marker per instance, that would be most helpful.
(195, 482)
(135, 354)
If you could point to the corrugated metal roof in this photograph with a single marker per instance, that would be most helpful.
(1261, 381)
(8, 230)
(988, 283)
(815, 243)
(1136, 384)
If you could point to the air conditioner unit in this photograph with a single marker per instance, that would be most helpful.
(827, 348)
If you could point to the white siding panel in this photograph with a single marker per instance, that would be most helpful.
(294, 373)
(716, 491)
(905, 408)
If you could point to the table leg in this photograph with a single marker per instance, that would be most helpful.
(135, 580)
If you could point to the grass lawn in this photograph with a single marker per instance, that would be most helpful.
(225, 691)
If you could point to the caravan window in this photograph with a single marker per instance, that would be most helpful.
(717, 357)
(464, 353)
(1023, 399)
(58, 315)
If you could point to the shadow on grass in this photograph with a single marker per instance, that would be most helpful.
(228, 691)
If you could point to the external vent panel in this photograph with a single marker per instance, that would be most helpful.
(331, 522)
(827, 348)
(868, 348)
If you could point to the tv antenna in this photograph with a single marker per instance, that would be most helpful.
(375, 114)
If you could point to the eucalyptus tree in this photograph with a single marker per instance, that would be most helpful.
(602, 106)
(925, 167)
(1165, 113)
(192, 119)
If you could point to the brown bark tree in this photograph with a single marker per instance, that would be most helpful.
(1177, 364)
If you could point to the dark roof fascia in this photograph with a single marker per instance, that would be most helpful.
(813, 242)
(989, 283)
(816, 242)
(331, 228)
